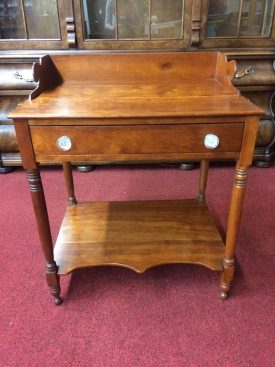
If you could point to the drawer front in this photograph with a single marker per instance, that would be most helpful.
(255, 72)
(154, 139)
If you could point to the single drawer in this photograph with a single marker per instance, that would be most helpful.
(255, 72)
(142, 139)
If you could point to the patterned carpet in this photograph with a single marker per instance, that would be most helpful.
(170, 315)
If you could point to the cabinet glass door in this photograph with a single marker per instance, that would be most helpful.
(239, 18)
(29, 19)
(166, 19)
(11, 20)
(132, 20)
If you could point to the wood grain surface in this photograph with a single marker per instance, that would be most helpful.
(138, 235)
(140, 85)
(136, 139)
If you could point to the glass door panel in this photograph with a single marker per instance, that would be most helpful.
(29, 19)
(42, 19)
(166, 19)
(239, 18)
(256, 18)
(99, 19)
(132, 19)
(12, 25)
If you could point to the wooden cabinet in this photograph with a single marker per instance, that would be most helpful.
(244, 29)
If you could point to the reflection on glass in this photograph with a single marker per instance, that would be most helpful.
(166, 19)
(239, 18)
(256, 18)
(42, 19)
(11, 20)
(223, 18)
(133, 19)
(268, 17)
(99, 18)
(110, 15)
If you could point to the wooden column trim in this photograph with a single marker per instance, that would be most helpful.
(196, 22)
(70, 29)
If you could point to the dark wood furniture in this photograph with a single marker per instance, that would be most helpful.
(146, 107)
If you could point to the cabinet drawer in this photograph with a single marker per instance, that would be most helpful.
(153, 139)
(255, 72)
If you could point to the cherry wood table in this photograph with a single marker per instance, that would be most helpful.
(144, 107)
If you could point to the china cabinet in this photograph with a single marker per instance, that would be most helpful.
(243, 29)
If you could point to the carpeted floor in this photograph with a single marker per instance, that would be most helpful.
(169, 316)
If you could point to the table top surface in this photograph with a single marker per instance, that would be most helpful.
(96, 101)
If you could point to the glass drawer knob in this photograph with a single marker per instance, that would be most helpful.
(64, 143)
(211, 141)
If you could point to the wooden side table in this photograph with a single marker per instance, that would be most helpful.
(151, 107)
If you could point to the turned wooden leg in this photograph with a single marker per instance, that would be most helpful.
(68, 174)
(227, 277)
(203, 179)
(53, 282)
(235, 212)
(42, 221)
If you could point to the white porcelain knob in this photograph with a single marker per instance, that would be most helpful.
(64, 143)
(211, 141)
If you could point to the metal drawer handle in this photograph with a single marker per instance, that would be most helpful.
(211, 141)
(64, 143)
(243, 72)
(17, 75)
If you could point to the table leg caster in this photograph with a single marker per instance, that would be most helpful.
(227, 277)
(224, 295)
(86, 168)
(58, 301)
(186, 166)
(53, 282)
(6, 169)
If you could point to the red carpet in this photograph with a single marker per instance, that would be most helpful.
(169, 316)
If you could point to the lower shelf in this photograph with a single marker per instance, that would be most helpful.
(138, 235)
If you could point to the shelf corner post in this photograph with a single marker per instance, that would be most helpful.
(204, 165)
(236, 203)
(234, 218)
(39, 206)
(68, 175)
